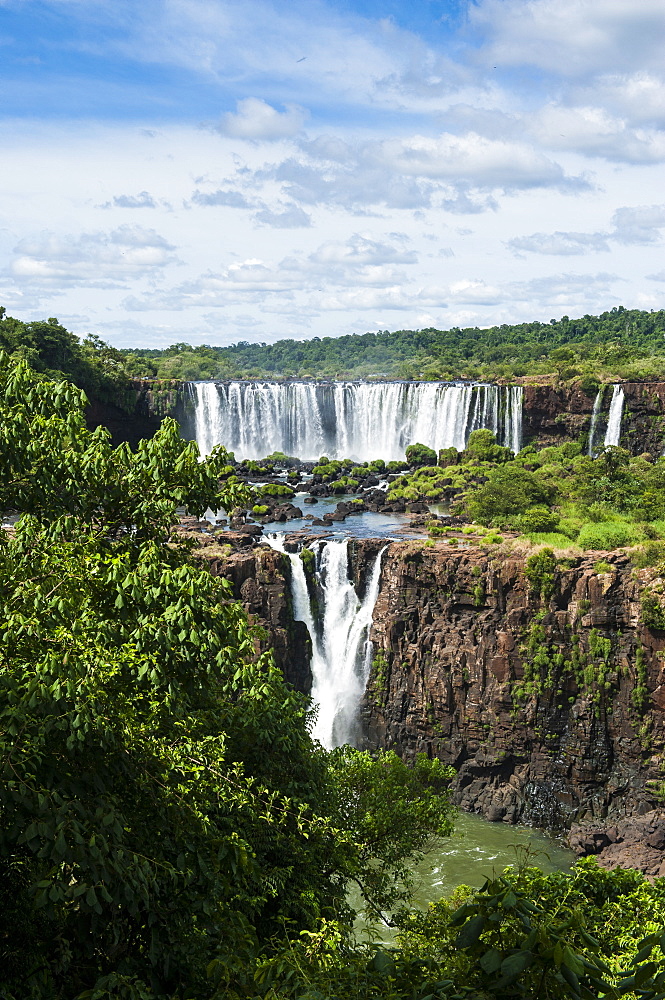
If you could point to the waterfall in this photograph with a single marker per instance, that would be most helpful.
(512, 433)
(341, 650)
(595, 416)
(357, 420)
(613, 432)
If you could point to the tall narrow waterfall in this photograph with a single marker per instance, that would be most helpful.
(595, 416)
(341, 650)
(613, 425)
(613, 432)
(351, 419)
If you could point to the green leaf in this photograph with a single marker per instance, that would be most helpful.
(515, 965)
(571, 978)
(571, 960)
(382, 962)
(470, 932)
(490, 962)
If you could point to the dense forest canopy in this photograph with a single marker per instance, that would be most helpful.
(624, 343)
(94, 366)
(621, 343)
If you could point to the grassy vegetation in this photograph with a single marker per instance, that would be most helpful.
(556, 497)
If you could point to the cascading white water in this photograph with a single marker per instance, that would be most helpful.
(351, 419)
(341, 650)
(613, 432)
(595, 416)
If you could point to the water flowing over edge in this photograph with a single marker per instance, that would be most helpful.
(341, 649)
(361, 421)
(613, 432)
(614, 415)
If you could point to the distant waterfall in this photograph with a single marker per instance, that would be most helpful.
(358, 420)
(614, 415)
(341, 650)
(613, 432)
(595, 416)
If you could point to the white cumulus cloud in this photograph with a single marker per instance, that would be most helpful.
(98, 259)
(256, 119)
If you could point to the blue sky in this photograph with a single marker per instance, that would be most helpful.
(224, 170)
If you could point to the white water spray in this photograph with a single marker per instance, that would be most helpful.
(613, 432)
(595, 416)
(358, 420)
(341, 650)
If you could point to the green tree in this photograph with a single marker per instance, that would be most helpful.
(509, 490)
(482, 445)
(393, 815)
(420, 454)
(157, 777)
(162, 806)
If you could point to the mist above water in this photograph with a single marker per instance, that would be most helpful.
(358, 420)
(341, 650)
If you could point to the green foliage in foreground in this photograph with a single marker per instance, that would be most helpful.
(586, 934)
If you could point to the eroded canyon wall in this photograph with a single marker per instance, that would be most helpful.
(260, 579)
(137, 413)
(555, 414)
(551, 711)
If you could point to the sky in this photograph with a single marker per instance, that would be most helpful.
(216, 171)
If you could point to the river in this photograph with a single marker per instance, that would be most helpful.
(477, 850)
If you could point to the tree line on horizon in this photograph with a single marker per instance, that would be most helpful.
(620, 343)
(625, 343)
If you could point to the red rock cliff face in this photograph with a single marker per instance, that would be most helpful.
(471, 667)
(260, 580)
(553, 415)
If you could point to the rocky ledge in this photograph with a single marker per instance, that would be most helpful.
(550, 709)
(636, 842)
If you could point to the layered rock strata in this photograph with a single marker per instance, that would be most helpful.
(550, 711)
(635, 842)
(555, 414)
(260, 579)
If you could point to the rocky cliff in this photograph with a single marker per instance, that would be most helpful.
(260, 579)
(555, 414)
(138, 412)
(551, 711)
